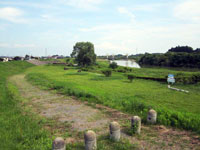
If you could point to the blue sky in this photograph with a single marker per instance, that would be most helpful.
(113, 26)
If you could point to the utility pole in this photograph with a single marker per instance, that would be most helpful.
(127, 56)
(46, 52)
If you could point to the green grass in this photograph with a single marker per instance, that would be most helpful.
(18, 129)
(174, 108)
(104, 143)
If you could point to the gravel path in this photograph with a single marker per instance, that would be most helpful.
(37, 62)
(64, 109)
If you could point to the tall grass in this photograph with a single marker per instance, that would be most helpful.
(19, 130)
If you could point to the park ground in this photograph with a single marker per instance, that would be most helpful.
(49, 112)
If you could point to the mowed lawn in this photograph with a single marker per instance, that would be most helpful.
(117, 90)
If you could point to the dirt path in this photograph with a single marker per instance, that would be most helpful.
(37, 62)
(69, 113)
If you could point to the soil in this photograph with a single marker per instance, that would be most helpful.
(37, 62)
(64, 112)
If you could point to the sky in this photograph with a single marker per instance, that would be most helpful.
(49, 27)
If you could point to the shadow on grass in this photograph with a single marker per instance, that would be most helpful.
(103, 78)
(77, 73)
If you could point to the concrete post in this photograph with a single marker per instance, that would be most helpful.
(59, 144)
(136, 124)
(114, 131)
(152, 116)
(90, 140)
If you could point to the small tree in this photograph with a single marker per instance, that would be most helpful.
(83, 53)
(113, 65)
(107, 73)
(131, 77)
(67, 60)
(17, 58)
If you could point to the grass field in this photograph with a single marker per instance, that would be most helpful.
(174, 108)
(22, 129)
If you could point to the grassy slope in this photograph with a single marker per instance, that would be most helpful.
(17, 130)
(117, 92)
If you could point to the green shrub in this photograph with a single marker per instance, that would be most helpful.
(84, 69)
(131, 77)
(107, 73)
(121, 70)
(113, 65)
(67, 60)
(187, 79)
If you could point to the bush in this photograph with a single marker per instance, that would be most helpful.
(121, 70)
(107, 73)
(84, 69)
(67, 60)
(113, 65)
(187, 79)
(131, 77)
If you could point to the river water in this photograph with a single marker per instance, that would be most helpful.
(127, 63)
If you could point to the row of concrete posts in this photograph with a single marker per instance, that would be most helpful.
(90, 136)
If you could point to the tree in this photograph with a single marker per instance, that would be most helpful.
(186, 49)
(17, 58)
(83, 53)
(113, 65)
(107, 72)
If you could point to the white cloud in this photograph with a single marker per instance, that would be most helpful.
(188, 10)
(28, 4)
(51, 18)
(126, 38)
(4, 45)
(102, 28)
(148, 7)
(12, 14)
(123, 10)
(24, 45)
(83, 4)
(7, 45)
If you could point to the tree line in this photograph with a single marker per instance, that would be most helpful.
(180, 56)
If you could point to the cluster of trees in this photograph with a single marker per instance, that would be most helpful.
(184, 49)
(175, 57)
(120, 57)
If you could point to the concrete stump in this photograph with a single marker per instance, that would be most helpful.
(114, 131)
(90, 140)
(59, 144)
(152, 116)
(136, 124)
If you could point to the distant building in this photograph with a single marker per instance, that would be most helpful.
(17, 58)
(5, 59)
(60, 57)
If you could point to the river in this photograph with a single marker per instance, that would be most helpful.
(127, 63)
